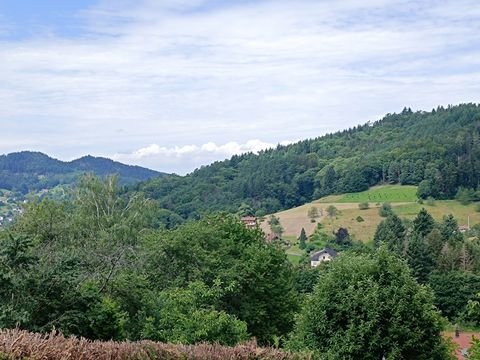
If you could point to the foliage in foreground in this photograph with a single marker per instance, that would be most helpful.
(369, 306)
(97, 267)
(17, 344)
(474, 351)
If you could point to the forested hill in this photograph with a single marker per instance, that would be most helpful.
(437, 150)
(30, 171)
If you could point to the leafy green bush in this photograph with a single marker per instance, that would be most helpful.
(360, 219)
(187, 316)
(363, 205)
(385, 210)
(474, 351)
(370, 307)
(108, 320)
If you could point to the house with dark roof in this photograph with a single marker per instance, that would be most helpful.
(321, 256)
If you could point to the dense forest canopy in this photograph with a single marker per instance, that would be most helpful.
(31, 171)
(437, 150)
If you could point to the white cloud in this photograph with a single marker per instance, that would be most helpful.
(192, 156)
(190, 72)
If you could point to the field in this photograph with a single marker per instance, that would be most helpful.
(377, 194)
(403, 202)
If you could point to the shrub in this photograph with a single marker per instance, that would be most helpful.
(385, 210)
(332, 211)
(363, 205)
(313, 213)
(260, 213)
(360, 219)
(465, 196)
(474, 351)
(19, 344)
(430, 201)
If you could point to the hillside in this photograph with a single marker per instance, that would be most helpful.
(438, 150)
(30, 171)
(400, 198)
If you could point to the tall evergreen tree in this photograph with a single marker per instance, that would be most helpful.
(435, 243)
(449, 230)
(419, 258)
(302, 239)
(423, 223)
(391, 232)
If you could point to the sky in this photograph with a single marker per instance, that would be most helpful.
(177, 84)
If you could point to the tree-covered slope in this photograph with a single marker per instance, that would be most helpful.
(103, 166)
(437, 150)
(26, 171)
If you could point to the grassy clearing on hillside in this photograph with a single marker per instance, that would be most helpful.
(365, 230)
(293, 220)
(294, 253)
(440, 209)
(377, 194)
(402, 198)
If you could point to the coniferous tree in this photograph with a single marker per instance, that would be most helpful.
(302, 239)
(449, 230)
(435, 243)
(419, 258)
(423, 223)
(391, 232)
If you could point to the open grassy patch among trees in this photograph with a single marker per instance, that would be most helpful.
(378, 194)
(348, 213)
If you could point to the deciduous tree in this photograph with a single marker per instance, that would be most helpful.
(370, 307)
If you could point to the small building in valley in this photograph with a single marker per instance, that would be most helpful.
(249, 221)
(321, 256)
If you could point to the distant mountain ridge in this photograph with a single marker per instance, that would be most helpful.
(29, 171)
